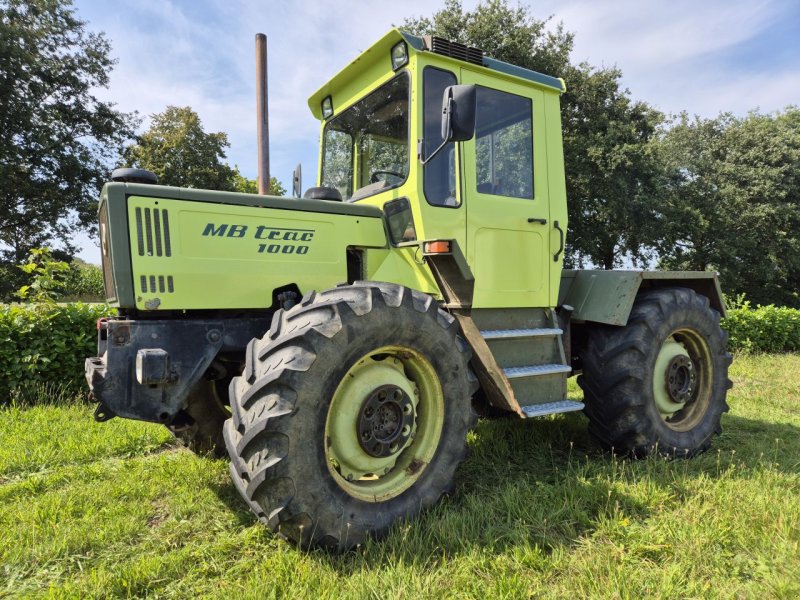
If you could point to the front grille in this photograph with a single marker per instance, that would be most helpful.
(152, 232)
(105, 255)
(454, 49)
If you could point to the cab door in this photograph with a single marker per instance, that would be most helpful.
(505, 191)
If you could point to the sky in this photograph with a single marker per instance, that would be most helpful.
(701, 56)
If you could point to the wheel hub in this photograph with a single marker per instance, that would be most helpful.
(385, 421)
(680, 378)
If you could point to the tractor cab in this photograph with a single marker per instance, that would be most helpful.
(453, 146)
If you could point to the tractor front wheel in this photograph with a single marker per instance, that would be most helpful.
(352, 412)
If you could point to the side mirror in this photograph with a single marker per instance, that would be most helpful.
(297, 181)
(458, 113)
(458, 118)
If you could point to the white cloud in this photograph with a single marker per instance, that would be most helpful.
(669, 52)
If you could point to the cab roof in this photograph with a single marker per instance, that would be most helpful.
(380, 51)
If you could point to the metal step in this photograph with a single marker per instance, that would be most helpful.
(551, 408)
(535, 370)
(509, 334)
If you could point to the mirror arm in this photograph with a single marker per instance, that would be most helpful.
(447, 110)
(425, 161)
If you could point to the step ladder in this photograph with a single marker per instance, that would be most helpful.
(531, 357)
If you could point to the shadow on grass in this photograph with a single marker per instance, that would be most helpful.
(542, 485)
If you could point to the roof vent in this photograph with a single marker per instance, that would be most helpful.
(453, 49)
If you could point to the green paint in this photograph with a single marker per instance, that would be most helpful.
(370, 478)
(608, 296)
(233, 256)
(510, 258)
(669, 350)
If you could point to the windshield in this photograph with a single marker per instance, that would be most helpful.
(365, 148)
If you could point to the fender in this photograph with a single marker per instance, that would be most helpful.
(607, 296)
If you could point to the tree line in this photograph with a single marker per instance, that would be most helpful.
(644, 188)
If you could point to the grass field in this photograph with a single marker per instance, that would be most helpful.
(117, 509)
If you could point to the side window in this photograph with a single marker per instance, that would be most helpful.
(504, 144)
(338, 162)
(439, 179)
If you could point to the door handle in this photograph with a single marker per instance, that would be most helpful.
(561, 241)
(537, 220)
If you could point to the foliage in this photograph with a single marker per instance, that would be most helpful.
(763, 329)
(250, 186)
(57, 139)
(731, 193)
(118, 510)
(83, 282)
(50, 280)
(47, 343)
(611, 169)
(48, 277)
(181, 152)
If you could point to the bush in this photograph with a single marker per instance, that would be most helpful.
(763, 329)
(47, 344)
(83, 282)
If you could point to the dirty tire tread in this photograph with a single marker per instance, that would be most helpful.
(617, 382)
(274, 464)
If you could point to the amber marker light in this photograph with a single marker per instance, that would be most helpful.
(437, 247)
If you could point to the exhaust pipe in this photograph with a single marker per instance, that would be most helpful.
(262, 114)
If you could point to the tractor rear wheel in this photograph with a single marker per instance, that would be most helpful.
(659, 383)
(199, 425)
(352, 412)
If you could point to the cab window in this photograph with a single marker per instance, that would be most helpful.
(439, 178)
(504, 144)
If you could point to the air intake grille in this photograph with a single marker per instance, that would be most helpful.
(454, 50)
(152, 232)
(156, 284)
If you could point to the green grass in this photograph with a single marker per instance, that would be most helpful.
(116, 509)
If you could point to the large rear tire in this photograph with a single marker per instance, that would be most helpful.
(199, 425)
(352, 413)
(659, 383)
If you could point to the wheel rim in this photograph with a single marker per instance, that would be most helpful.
(682, 379)
(384, 423)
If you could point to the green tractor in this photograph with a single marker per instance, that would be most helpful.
(341, 345)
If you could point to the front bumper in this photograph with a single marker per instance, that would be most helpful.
(146, 369)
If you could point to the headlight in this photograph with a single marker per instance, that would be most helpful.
(399, 55)
(327, 107)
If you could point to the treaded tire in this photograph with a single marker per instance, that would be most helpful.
(280, 404)
(618, 376)
(202, 431)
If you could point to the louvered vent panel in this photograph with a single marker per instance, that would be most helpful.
(156, 284)
(455, 50)
(152, 232)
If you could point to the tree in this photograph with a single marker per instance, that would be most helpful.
(732, 191)
(611, 170)
(181, 153)
(250, 186)
(57, 140)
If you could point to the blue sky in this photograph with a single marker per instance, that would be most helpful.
(704, 57)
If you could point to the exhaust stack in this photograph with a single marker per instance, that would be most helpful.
(262, 114)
